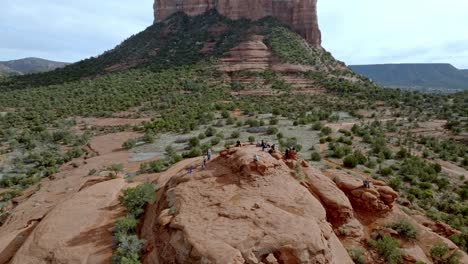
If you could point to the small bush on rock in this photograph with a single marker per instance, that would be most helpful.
(388, 248)
(405, 229)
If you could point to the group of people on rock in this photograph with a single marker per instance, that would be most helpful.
(205, 161)
(290, 153)
(265, 145)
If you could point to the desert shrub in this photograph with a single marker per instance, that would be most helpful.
(388, 248)
(273, 121)
(8, 195)
(220, 135)
(357, 255)
(201, 136)
(339, 151)
(326, 131)
(385, 171)
(194, 152)
(215, 141)
(194, 142)
(441, 254)
(210, 131)
(129, 144)
(317, 126)
(225, 114)
(152, 167)
(345, 132)
(360, 158)
(235, 134)
(461, 240)
(116, 167)
(405, 229)
(350, 161)
(251, 139)
(272, 130)
(126, 225)
(134, 199)
(315, 156)
(127, 250)
(395, 183)
(174, 158)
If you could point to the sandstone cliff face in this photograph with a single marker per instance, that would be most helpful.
(301, 15)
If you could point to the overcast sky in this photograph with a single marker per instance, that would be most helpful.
(356, 32)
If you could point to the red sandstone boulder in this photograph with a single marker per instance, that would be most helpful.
(240, 211)
(377, 199)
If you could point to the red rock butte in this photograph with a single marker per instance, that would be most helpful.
(301, 15)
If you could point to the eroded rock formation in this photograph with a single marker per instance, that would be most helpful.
(301, 15)
(240, 211)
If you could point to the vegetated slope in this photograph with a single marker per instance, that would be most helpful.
(429, 76)
(32, 65)
(185, 86)
(179, 40)
(6, 71)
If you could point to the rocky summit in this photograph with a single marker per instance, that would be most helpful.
(301, 15)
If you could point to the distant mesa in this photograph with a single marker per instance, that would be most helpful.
(424, 76)
(300, 15)
(29, 65)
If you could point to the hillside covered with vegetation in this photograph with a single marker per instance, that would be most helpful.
(166, 75)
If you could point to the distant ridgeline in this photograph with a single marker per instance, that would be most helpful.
(427, 77)
(29, 65)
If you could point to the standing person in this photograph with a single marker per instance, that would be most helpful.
(190, 169)
(366, 184)
(209, 154)
(204, 162)
(287, 153)
(264, 146)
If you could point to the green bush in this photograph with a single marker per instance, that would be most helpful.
(194, 142)
(357, 255)
(153, 167)
(272, 131)
(385, 171)
(116, 168)
(134, 199)
(128, 249)
(395, 183)
(129, 144)
(405, 229)
(235, 134)
(326, 131)
(211, 131)
(350, 161)
(441, 254)
(194, 152)
(388, 248)
(315, 156)
(317, 126)
(201, 136)
(215, 141)
(251, 139)
(126, 225)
